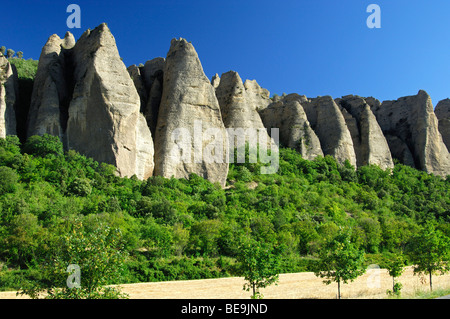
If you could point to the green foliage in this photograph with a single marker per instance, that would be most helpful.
(260, 265)
(43, 145)
(395, 267)
(10, 53)
(340, 260)
(8, 178)
(429, 250)
(184, 229)
(98, 253)
(26, 69)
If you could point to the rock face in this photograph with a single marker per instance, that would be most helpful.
(8, 97)
(148, 80)
(84, 94)
(410, 124)
(215, 81)
(256, 95)
(442, 112)
(52, 88)
(369, 142)
(105, 108)
(189, 107)
(288, 115)
(167, 118)
(329, 124)
(237, 104)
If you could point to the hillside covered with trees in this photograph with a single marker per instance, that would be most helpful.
(170, 229)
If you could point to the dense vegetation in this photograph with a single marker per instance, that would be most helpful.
(189, 229)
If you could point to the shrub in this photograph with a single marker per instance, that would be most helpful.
(43, 145)
(8, 178)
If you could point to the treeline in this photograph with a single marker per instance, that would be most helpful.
(9, 53)
(174, 229)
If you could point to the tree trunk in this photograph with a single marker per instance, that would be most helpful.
(431, 282)
(254, 290)
(339, 289)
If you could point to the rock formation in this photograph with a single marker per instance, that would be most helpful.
(256, 95)
(105, 108)
(8, 97)
(215, 81)
(148, 80)
(167, 118)
(329, 124)
(237, 104)
(288, 115)
(51, 90)
(189, 107)
(369, 142)
(84, 94)
(410, 124)
(442, 112)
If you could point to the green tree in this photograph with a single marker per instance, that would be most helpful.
(97, 252)
(43, 145)
(3, 49)
(429, 251)
(20, 54)
(395, 267)
(340, 260)
(10, 53)
(260, 265)
(8, 178)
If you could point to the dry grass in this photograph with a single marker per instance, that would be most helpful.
(372, 285)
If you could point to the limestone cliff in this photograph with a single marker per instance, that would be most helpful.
(369, 142)
(288, 115)
(190, 134)
(329, 124)
(410, 122)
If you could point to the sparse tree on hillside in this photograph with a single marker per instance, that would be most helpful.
(3, 50)
(20, 54)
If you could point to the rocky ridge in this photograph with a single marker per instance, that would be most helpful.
(166, 118)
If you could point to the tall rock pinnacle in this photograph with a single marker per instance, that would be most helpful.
(51, 90)
(104, 121)
(8, 98)
(84, 95)
(188, 110)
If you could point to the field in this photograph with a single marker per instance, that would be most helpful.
(372, 285)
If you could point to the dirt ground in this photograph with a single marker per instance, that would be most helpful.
(372, 285)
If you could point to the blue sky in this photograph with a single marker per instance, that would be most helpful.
(310, 47)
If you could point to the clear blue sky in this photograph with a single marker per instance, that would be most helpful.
(310, 47)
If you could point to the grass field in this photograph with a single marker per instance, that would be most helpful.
(372, 285)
